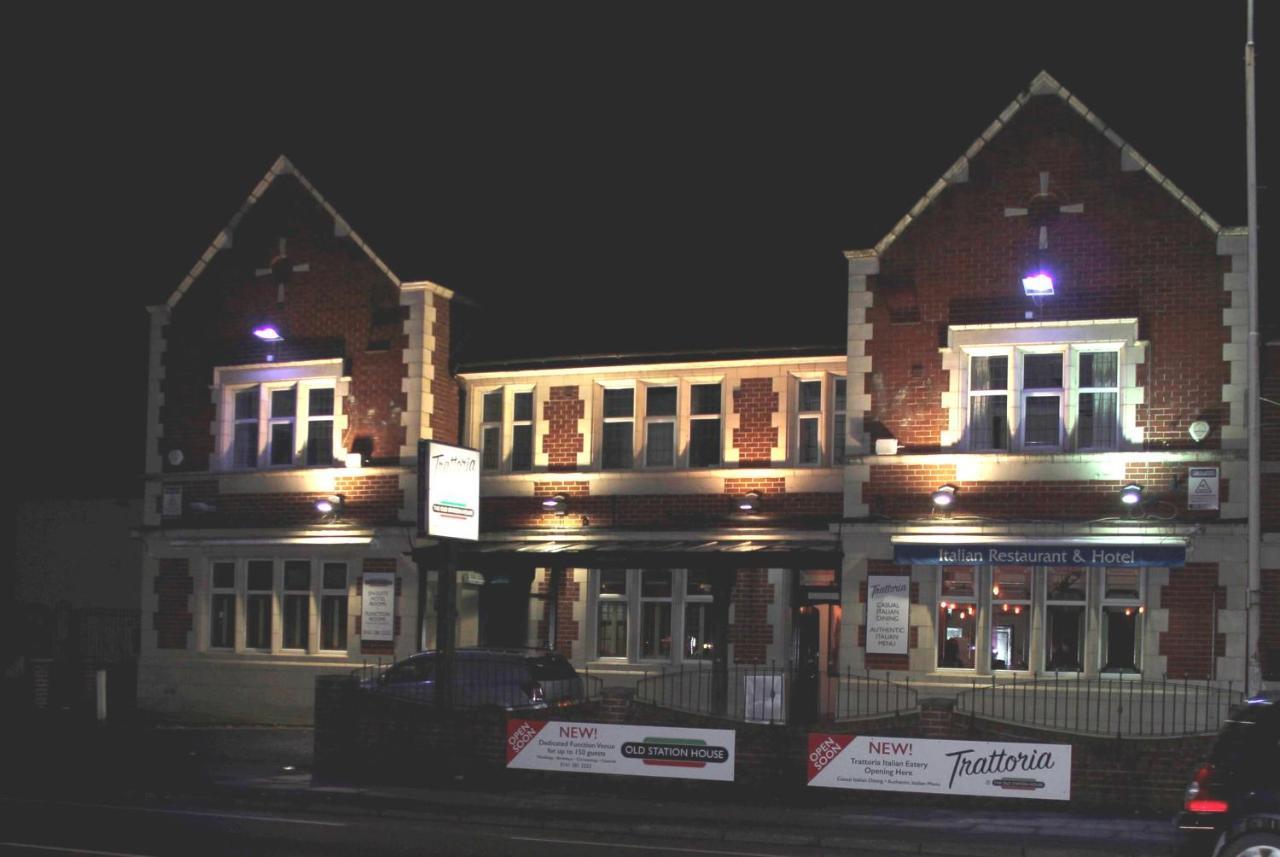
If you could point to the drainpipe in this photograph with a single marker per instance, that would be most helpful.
(1253, 669)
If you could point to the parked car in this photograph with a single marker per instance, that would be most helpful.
(511, 679)
(1232, 806)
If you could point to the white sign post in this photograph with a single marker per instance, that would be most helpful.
(983, 768)
(888, 612)
(449, 491)
(608, 748)
(1202, 488)
(377, 605)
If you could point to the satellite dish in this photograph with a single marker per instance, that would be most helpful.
(1198, 430)
(175, 457)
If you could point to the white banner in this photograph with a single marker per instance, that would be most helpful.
(378, 606)
(987, 769)
(888, 612)
(450, 503)
(604, 748)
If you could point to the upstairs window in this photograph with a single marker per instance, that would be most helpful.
(1098, 394)
(808, 422)
(1042, 401)
(618, 430)
(491, 430)
(522, 432)
(660, 426)
(839, 424)
(704, 425)
(989, 402)
(279, 416)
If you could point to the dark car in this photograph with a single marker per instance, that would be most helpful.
(514, 680)
(1232, 806)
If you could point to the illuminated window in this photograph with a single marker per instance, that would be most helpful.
(704, 425)
(957, 617)
(1010, 617)
(618, 429)
(268, 605)
(491, 430)
(808, 422)
(655, 614)
(522, 431)
(660, 426)
(279, 416)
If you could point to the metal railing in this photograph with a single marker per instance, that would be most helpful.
(770, 693)
(523, 682)
(1102, 705)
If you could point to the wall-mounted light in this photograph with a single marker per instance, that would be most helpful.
(1038, 284)
(945, 496)
(557, 503)
(1131, 494)
(268, 333)
(330, 505)
(749, 502)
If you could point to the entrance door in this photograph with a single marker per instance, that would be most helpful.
(504, 609)
(807, 633)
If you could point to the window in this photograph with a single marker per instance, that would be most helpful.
(988, 402)
(704, 425)
(491, 430)
(655, 614)
(257, 610)
(839, 425)
(957, 617)
(297, 604)
(611, 625)
(1098, 394)
(808, 421)
(277, 602)
(1064, 600)
(1121, 614)
(222, 603)
(522, 432)
(333, 607)
(1042, 401)
(279, 416)
(618, 430)
(1010, 617)
(660, 426)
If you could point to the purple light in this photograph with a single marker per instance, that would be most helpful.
(1037, 284)
(267, 333)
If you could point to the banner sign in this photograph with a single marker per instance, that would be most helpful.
(378, 605)
(888, 608)
(607, 748)
(448, 491)
(1111, 556)
(982, 768)
(762, 694)
(1202, 487)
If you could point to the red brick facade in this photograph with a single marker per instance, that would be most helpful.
(568, 631)
(755, 402)
(368, 500)
(563, 441)
(1193, 599)
(172, 619)
(750, 631)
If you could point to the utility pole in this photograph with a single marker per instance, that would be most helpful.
(1253, 668)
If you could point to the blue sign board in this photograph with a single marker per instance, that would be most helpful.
(1109, 555)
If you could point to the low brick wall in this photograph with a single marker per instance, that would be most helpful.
(382, 739)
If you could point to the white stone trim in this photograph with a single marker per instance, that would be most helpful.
(1233, 243)
(419, 328)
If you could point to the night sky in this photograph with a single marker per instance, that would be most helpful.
(598, 177)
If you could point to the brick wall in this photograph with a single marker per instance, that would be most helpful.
(1269, 642)
(750, 631)
(1192, 644)
(1134, 252)
(343, 307)
(568, 631)
(172, 618)
(378, 647)
(368, 500)
(563, 441)
(755, 402)
(651, 510)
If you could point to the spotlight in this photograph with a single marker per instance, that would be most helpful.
(1131, 494)
(330, 505)
(944, 496)
(267, 333)
(1037, 285)
(558, 504)
(749, 502)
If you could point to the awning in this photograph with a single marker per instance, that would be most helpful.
(729, 553)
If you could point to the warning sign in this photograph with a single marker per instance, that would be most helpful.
(1202, 488)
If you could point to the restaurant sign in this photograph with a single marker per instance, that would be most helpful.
(1109, 555)
(981, 768)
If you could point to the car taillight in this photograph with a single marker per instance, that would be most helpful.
(1199, 797)
(535, 692)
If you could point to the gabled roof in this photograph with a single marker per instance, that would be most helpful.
(223, 241)
(1042, 84)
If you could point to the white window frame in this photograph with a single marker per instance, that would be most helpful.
(1079, 390)
(818, 417)
(315, 595)
(686, 390)
(648, 420)
(303, 377)
(635, 600)
(531, 422)
(326, 592)
(1025, 394)
(602, 391)
(839, 421)
(1137, 605)
(485, 425)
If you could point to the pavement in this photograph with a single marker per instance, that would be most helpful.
(270, 768)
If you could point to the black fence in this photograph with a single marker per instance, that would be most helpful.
(1103, 705)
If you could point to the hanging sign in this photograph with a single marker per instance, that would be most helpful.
(378, 606)
(611, 748)
(888, 611)
(1202, 488)
(448, 491)
(984, 768)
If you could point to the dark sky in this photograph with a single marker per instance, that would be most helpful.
(599, 177)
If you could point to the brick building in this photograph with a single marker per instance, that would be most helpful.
(675, 511)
